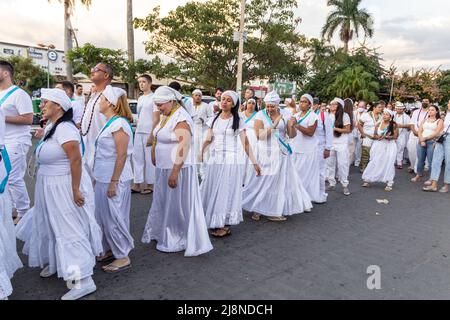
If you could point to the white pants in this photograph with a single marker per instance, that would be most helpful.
(17, 188)
(338, 153)
(322, 170)
(358, 150)
(351, 149)
(144, 170)
(412, 151)
(402, 141)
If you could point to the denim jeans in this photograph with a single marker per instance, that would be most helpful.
(424, 153)
(441, 153)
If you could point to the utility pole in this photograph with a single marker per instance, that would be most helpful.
(241, 49)
(130, 40)
(48, 47)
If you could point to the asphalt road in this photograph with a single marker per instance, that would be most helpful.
(320, 255)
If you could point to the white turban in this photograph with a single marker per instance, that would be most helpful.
(272, 98)
(251, 100)
(113, 94)
(57, 96)
(390, 112)
(340, 101)
(233, 95)
(166, 94)
(309, 97)
(197, 91)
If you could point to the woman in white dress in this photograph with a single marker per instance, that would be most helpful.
(60, 232)
(222, 188)
(279, 192)
(176, 219)
(113, 178)
(9, 260)
(383, 153)
(349, 110)
(249, 123)
(305, 146)
(339, 152)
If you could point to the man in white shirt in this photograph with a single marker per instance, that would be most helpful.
(361, 109)
(403, 124)
(143, 168)
(201, 113)
(79, 96)
(92, 120)
(77, 105)
(417, 117)
(215, 105)
(18, 111)
(366, 127)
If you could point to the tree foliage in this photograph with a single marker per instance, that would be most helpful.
(29, 75)
(198, 37)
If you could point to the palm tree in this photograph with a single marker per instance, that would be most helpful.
(130, 38)
(355, 83)
(350, 18)
(69, 5)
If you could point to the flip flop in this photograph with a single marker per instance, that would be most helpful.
(134, 191)
(226, 234)
(147, 191)
(117, 269)
(107, 259)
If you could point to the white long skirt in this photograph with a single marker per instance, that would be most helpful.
(9, 260)
(249, 169)
(176, 219)
(308, 169)
(113, 216)
(278, 192)
(57, 232)
(412, 151)
(381, 167)
(221, 193)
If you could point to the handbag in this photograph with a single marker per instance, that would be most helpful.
(443, 136)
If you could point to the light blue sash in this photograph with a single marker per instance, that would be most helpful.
(303, 119)
(251, 117)
(10, 92)
(277, 135)
(108, 124)
(7, 163)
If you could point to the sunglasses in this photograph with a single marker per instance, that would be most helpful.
(97, 69)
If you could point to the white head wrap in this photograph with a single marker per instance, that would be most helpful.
(166, 94)
(272, 98)
(197, 91)
(390, 112)
(251, 100)
(340, 101)
(309, 97)
(113, 94)
(233, 95)
(57, 96)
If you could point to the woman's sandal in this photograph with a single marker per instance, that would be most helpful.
(444, 189)
(106, 258)
(147, 191)
(416, 179)
(111, 268)
(256, 217)
(221, 233)
(429, 189)
(366, 185)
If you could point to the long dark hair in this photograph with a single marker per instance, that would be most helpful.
(66, 117)
(236, 118)
(339, 120)
(438, 114)
(392, 126)
(348, 109)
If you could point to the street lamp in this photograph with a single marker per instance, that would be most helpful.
(48, 47)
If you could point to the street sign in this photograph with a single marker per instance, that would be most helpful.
(52, 55)
(284, 88)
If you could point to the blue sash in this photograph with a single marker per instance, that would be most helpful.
(10, 92)
(108, 124)
(7, 162)
(306, 116)
(277, 135)
(251, 117)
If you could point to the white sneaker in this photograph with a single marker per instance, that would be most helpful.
(346, 192)
(46, 273)
(87, 287)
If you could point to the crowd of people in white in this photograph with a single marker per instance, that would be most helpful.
(204, 163)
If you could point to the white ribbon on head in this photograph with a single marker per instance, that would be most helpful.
(272, 98)
(233, 95)
(166, 94)
(113, 94)
(197, 91)
(309, 97)
(57, 96)
(339, 100)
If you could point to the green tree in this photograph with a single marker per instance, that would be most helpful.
(350, 18)
(29, 75)
(198, 37)
(443, 81)
(356, 83)
(69, 6)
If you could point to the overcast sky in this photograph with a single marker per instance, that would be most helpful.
(411, 33)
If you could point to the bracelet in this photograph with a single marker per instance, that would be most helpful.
(114, 180)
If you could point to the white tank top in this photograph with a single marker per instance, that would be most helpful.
(429, 128)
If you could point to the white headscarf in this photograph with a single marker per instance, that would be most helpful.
(166, 94)
(233, 95)
(309, 97)
(197, 91)
(113, 94)
(57, 96)
(339, 100)
(272, 98)
(390, 112)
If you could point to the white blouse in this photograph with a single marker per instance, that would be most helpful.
(106, 153)
(303, 143)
